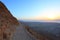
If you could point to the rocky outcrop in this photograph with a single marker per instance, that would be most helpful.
(7, 15)
(7, 23)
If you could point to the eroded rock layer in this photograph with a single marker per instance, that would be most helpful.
(7, 23)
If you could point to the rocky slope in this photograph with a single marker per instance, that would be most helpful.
(7, 23)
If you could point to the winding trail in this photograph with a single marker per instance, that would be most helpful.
(21, 34)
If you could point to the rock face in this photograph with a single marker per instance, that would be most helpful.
(7, 23)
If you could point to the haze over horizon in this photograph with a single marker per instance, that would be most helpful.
(34, 9)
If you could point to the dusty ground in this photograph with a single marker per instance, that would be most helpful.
(21, 34)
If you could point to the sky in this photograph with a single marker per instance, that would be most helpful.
(34, 9)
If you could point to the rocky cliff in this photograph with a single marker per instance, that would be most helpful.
(7, 23)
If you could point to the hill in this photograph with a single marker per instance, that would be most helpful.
(7, 23)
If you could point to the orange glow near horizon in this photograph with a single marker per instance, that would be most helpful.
(47, 15)
(50, 14)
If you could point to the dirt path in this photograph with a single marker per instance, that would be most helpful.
(21, 34)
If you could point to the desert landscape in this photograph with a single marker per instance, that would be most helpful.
(13, 29)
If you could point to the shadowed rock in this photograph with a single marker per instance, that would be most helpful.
(5, 13)
(7, 23)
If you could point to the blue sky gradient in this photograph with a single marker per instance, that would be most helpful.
(31, 9)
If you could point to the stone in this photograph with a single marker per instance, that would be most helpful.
(8, 23)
